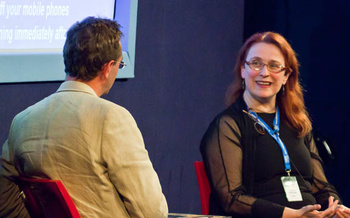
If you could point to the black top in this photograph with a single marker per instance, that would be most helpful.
(269, 166)
(244, 167)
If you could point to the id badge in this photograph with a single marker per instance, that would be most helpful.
(291, 188)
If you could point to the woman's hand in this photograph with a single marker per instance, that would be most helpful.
(313, 211)
(342, 212)
(306, 211)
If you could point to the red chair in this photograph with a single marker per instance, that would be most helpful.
(47, 198)
(203, 184)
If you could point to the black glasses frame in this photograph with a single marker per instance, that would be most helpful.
(121, 64)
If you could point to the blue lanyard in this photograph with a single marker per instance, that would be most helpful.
(275, 135)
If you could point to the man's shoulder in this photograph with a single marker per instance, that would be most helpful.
(106, 108)
(113, 107)
(73, 101)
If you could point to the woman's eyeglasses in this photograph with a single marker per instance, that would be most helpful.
(259, 65)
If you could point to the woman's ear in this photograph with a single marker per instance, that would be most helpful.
(285, 79)
(242, 72)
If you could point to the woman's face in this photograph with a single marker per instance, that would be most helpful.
(263, 85)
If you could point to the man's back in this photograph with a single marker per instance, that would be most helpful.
(94, 147)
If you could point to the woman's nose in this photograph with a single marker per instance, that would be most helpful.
(264, 71)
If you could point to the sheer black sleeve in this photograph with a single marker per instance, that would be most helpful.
(321, 188)
(222, 154)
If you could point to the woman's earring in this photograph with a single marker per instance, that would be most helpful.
(243, 84)
(283, 90)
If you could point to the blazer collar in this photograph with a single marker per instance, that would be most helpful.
(75, 86)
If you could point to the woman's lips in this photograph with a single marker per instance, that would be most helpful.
(263, 83)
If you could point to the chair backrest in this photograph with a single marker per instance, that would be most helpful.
(203, 184)
(47, 198)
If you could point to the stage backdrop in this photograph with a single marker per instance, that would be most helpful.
(185, 53)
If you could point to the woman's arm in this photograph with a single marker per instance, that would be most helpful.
(321, 188)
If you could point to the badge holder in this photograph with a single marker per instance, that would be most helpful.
(291, 188)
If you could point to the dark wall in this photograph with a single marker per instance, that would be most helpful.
(185, 52)
(318, 31)
(184, 59)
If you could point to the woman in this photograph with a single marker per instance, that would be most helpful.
(259, 153)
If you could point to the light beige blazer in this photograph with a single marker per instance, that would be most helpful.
(93, 146)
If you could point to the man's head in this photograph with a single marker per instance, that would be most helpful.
(90, 46)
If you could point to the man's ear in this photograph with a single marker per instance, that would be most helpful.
(106, 69)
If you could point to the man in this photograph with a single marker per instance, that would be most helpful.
(92, 145)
